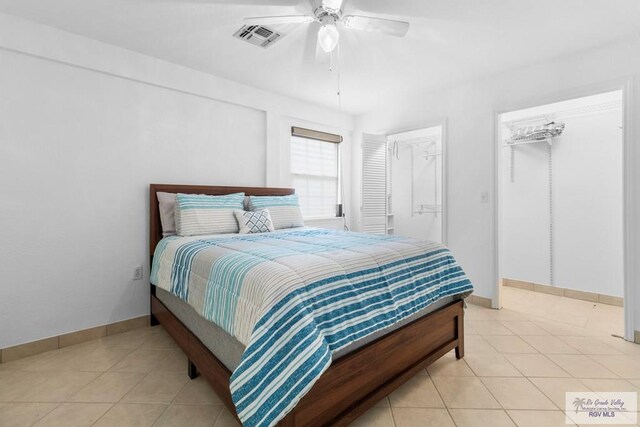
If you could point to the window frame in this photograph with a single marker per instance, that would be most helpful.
(310, 134)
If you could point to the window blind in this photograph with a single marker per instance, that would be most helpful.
(314, 170)
(317, 135)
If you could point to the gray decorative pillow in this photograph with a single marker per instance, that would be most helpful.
(167, 205)
(254, 221)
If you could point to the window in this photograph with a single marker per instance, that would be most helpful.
(315, 171)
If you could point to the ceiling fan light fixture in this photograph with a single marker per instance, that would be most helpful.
(333, 5)
(328, 37)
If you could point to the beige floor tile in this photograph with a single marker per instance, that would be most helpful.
(468, 329)
(563, 330)
(464, 392)
(58, 360)
(108, 387)
(142, 360)
(536, 365)
(418, 392)
(58, 387)
(508, 314)
(549, 345)
(175, 361)
(481, 417)
(538, 418)
(449, 366)
(157, 387)
(384, 402)
(101, 359)
(555, 388)
(79, 358)
(23, 414)
(475, 344)
(160, 340)
(581, 366)
(517, 393)
(131, 339)
(189, 415)
(227, 420)
(604, 384)
(198, 391)
(625, 366)
(473, 312)
(374, 417)
(624, 347)
(524, 328)
(16, 383)
(421, 417)
(490, 327)
(491, 366)
(509, 344)
(589, 345)
(74, 414)
(131, 415)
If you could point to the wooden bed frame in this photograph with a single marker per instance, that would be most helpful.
(353, 383)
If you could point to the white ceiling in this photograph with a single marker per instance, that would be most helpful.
(449, 41)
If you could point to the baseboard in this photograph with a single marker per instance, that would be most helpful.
(53, 343)
(481, 301)
(564, 292)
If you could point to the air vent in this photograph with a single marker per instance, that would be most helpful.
(258, 35)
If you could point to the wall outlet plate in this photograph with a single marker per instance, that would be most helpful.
(137, 273)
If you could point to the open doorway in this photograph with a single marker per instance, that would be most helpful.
(561, 209)
(415, 198)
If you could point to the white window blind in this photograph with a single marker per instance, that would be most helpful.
(374, 184)
(314, 169)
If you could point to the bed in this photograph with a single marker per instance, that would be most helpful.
(352, 376)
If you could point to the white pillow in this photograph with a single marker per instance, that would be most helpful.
(167, 206)
(198, 214)
(254, 221)
(284, 210)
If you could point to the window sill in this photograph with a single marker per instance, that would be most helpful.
(333, 222)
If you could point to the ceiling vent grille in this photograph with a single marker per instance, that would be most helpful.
(258, 35)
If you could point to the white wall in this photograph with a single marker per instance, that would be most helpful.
(587, 198)
(84, 129)
(469, 110)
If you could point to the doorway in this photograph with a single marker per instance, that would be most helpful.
(561, 209)
(415, 199)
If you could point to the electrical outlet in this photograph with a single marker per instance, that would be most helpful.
(484, 197)
(137, 273)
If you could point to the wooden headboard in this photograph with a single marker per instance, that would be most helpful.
(155, 227)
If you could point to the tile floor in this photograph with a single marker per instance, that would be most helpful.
(519, 362)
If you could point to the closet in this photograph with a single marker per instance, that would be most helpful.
(403, 184)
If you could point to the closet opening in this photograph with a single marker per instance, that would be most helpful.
(404, 183)
(561, 210)
(415, 184)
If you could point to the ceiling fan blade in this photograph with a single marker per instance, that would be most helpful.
(366, 23)
(275, 20)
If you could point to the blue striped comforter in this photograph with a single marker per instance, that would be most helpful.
(296, 296)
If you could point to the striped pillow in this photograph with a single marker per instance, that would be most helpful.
(198, 214)
(285, 210)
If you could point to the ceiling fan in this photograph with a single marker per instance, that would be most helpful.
(329, 13)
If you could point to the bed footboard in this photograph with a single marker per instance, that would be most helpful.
(355, 382)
